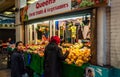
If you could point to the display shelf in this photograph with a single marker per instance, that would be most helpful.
(69, 70)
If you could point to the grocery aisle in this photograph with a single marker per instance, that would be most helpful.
(4, 72)
(3, 61)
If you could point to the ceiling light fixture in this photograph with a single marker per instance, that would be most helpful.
(8, 13)
(31, 1)
(13, 8)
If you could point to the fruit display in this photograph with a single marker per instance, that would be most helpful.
(100, 1)
(36, 49)
(86, 3)
(78, 54)
(66, 44)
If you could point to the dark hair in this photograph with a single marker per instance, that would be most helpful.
(89, 70)
(18, 43)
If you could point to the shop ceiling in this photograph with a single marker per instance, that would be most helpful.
(7, 8)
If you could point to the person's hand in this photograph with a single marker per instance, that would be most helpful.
(67, 51)
(60, 47)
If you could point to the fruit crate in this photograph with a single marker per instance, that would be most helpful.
(71, 70)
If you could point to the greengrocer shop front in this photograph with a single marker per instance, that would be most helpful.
(76, 23)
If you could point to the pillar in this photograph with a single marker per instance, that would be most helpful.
(19, 27)
(101, 35)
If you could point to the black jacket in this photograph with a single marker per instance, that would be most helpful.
(53, 60)
(17, 64)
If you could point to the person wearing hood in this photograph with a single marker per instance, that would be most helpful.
(53, 58)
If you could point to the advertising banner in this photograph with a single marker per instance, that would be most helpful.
(44, 8)
(23, 14)
(97, 71)
(23, 3)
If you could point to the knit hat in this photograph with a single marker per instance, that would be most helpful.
(55, 39)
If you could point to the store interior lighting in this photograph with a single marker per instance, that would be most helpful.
(8, 13)
(70, 18)
(31, 1)
(44, 22)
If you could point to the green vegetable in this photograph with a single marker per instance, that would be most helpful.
(85, 3)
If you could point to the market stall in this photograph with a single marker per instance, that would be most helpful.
(69, 70)
(74, 22)
(35, 62)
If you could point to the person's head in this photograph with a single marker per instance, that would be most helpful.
(1, 41)
(43, 36)
(55, 39)
(9, 39)
(89, 71)
(19, 45)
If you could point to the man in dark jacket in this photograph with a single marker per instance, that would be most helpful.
(53, 58)
(17, 61)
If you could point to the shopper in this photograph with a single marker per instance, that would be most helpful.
(17, 61)
(4, 47)
(1, 46)
(53, 58)
(10, 49)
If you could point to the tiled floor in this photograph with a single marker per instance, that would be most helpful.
(5, 73)
(3, 61)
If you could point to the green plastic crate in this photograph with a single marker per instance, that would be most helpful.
(36, 75)
(71, 70)
(36, 63)
(68, 70)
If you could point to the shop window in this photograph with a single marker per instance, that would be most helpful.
(74, 29)
(79, 32)
(42, 30)
(75, 33)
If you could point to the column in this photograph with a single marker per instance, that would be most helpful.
(101, 35)
(19, 27)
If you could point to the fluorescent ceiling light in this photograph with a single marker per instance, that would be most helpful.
(31, 1)
(70, 18)
(44, 22)
(8, 13)
(13, 8)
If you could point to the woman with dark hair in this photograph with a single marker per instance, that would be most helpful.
(17, 61)
(53, 58)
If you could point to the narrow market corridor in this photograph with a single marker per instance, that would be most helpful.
(3, 61)
(4, 72)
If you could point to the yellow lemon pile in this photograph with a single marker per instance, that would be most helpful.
(78, 55)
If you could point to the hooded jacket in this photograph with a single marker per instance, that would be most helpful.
(17, 64)
(53, 60)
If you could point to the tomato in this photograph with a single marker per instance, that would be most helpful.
(79, 1)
